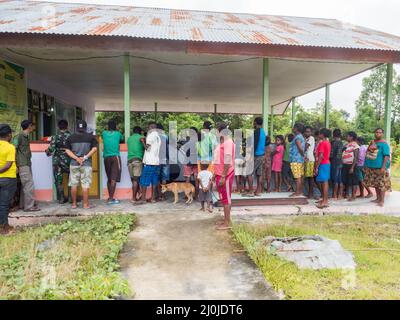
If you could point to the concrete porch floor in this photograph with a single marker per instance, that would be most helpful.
(358, 207)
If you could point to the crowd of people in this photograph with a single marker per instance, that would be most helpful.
(306, 162)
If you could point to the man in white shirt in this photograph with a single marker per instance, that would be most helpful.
(151, 160)
(309, 160)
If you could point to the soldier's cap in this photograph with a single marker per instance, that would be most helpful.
(5, 129)
(81, 125)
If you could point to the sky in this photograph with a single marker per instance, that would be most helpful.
(381, 15)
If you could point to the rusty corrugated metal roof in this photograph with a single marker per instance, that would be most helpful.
(156, 23)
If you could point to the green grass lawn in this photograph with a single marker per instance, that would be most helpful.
(377, 275)
(72, 260)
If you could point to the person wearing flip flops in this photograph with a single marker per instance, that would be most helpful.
(112, 139)
(80, 147)
(323, 166)
(8, 177)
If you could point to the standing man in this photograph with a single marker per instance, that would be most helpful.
(80, 147)
(112, 138)
(259, 153)
(8, 177)
(151, 161)
(309, 160)
(60, 160)
(136, 145)
(191, 167)
(224, 171)
(296, 155)
(24, 164)
(164, 157)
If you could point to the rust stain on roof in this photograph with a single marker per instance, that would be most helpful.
(104, 29)
(127, 20)
(287, 39)
(6, 21)
(48, 25)
(82, 10)
(90, 18)
(283, 25)
(321, 24)
(259, 37)
(196, 34)
(361, 31)
(180, 15)
(231, 18)
(156, 22)
(207, 23)
(377, 44)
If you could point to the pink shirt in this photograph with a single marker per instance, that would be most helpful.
(277, 161)
(224, 151)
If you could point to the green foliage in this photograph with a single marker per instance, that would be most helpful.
(370, 105)
(71, 260)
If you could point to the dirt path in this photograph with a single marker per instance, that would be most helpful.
(181, 256)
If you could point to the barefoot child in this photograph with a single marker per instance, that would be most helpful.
(269, 148)
(205, 185)
(277, 162)
(323, 166)
(360, 171)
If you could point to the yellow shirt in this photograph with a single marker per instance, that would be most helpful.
(7, 153)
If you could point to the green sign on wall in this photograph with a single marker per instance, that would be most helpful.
(12, 94)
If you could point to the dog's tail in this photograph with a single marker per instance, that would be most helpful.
(192, 189)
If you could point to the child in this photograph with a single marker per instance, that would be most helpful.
(205, 186)
(277, 162)
(349, 160)
(336, 163)
(268, 162)
(323, 166)
(309, 158)
(360, 168)
(286, 172)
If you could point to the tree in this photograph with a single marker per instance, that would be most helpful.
(372, 98)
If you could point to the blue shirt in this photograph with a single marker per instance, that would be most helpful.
(294, 153)
(260, 149)
(383, 151)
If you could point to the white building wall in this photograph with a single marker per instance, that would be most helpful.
(39, 83)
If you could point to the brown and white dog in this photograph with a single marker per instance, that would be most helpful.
(178, 187)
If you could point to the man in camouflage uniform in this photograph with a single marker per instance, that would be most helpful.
(61, 160)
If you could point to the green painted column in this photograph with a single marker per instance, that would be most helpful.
(293, 111)
(327, 105)
(127, 96)
(271, 127)
(388, 101)
(265, 93)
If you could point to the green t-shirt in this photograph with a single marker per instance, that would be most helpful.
(382, 152)
(111, 141)
(287, 151)
(135, 147)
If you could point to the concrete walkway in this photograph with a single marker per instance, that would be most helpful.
(180, 255)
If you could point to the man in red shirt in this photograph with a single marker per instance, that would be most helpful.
(223, 161)
(323, 166)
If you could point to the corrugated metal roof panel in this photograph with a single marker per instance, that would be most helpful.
(155, 23)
